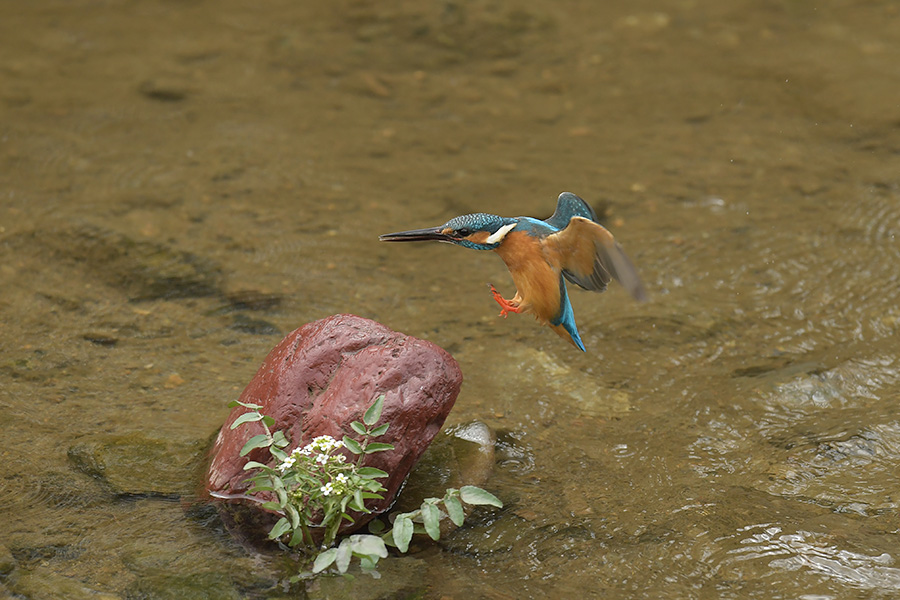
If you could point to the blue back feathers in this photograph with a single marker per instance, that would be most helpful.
(567, 206)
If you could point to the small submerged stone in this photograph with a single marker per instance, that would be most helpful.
(135, 464)
(42, 582)
(101, 339)
(245, 324)
(7, 562)
(253, 300)
(462, 455)
(164, 89)
(400, 578)
(194, 586)
(141, 270)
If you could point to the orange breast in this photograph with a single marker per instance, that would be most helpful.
(537, 282)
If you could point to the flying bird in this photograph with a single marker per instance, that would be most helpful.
(540, 256)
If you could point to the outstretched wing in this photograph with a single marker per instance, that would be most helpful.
(589, 256)
(567, 206)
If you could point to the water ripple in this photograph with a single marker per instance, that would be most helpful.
(818, 553)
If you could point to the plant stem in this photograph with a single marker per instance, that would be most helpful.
(363, 444)
(307, 536)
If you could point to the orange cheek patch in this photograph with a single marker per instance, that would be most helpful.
(479, 237)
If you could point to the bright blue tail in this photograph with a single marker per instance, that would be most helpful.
(564, 322)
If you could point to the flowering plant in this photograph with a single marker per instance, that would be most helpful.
(316, 486)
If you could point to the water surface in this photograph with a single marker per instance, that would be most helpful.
(183, 183)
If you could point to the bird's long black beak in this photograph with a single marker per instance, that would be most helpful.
(416, 235)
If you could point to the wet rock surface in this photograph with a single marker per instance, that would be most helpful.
(322, 377)
(461, 455)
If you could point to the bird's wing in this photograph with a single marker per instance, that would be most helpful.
(567, 206)
(589, 256)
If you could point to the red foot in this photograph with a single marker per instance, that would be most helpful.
(506, 306)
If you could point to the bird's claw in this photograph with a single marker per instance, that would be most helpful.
(506, 306)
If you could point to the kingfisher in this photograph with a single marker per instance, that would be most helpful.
(541, 256)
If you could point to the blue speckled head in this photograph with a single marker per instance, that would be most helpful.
(465, 225)
(478, 231)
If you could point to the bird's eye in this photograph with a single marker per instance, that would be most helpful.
(463, 232)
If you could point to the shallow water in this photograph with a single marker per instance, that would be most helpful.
(183, 183)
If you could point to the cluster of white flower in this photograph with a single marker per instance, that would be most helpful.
(325, 444)
(287, 463)
(321, 446)
(327, 489)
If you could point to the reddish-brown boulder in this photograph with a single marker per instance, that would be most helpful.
(323, 376)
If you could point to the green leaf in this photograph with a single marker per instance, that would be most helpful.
(380, 430)
(374, 413)
(370, 485)
(431, 518)
(252, 464)
(257, 441)
(296, 537)
(278, 453)
(378, 447)
(358, 427)
(247, 417)
(293, 515)
(249, 405)
(269, 421)
(332, 512)
(352, 445)
(475, 495)
(324, 560)
(454, 510)
(368, 545)
(271, 505)
(376, 526)
(344, 554)
(358, 501)
(279, 440)
(370, 473)
(280, 528)
(402, 531)
(367, 564)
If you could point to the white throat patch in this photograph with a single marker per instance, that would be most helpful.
(497, 237)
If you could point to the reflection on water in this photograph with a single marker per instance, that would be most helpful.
(817, 553)
(181, 184)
